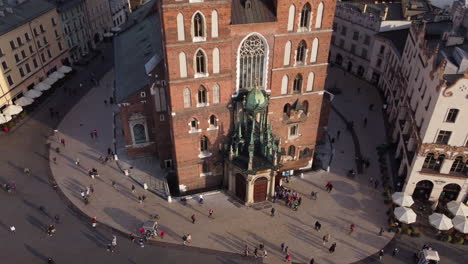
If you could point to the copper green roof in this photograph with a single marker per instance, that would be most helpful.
(256, 100)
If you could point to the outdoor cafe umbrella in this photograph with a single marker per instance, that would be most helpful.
(65, 69)
(405, 215)
(24, 101)
(50, 81)
(12, 110)
(440, 221)
(460, 223)
(57, 75)
(4, 118)
(42, 86)
(402, 199)
(33, 93)
(457, 208)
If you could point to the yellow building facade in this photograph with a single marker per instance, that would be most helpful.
(32, 46)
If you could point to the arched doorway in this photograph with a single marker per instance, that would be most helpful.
(350, 66)
(339, 59)
(450, 192)
(240, 187)
(360, 71)
(423, 190)
(260, 189)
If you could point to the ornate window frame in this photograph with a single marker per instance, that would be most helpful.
(138, 119)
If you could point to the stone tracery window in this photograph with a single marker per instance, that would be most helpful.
(301, 52)
(139, 134)
(297, 87)
(305, 16)
(203, 144)
(200, 62)
(252, 56)
(198, 26)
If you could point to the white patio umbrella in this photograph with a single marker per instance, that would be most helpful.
(460, 223)
(57, 75)
(108, 34)
(50, 81)
(41, 86)
(4, 118)
(33, 93)
(440, 221)
(402, 199)
(405, 215)
(65, 69)
(457, 208)
(12, 110)
(24, 101)
(115, 29)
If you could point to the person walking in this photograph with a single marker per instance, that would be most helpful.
(132, 237)
(351, 228)
(288, 258)
(162, 234)
(114, 241)
(91, 188)
(140, 242)
(381, 231)
(381, 254)
(273, 210)
(133, 188)
(77, 162)
(395, 251)
(318, 226)
(12, 229)
(62, 141)
(95, 133)
(113, 185)
(256, 252)
(210, 213)
(286, 249)
(325, 239)
(338, 133)
(27, 171)
(283, 245)
(312, 261)
(193, 219)
(332, 248)
(139, 200)
(143, 198)
(50, 261)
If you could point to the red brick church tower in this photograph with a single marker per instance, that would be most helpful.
(216, 51)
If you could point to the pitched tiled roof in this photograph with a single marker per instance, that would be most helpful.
(21, 13)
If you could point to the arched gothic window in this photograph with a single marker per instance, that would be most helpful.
(305, 16)
(202, 96)
(213, 121)
(318, 19)
(305, 107)
(301, 52)
(187, 98)
(216, 94)
(139, 134)
(198, 25)
(432, 163)
(287, 109)
(203, 144)
(200, 62)
(292, 150)
(194, 124)
(297, 84)
(252, 62)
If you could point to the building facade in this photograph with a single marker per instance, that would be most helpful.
(99, 17)
(32, 46)
(426, 101)
(356, 26)
(76, 27)
(241, 92)
(120, 11)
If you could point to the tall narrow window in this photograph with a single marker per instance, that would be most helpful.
(216, 94)
(459, 166)
(318, 19)
(443, 137)
(213, 121)
(139, 134)
(301, 52)
(287, 53)
(203, 144)
(284, 85)
(452, 115)
(292, 13)
(194, 124)
(182, 65)
(214, 24)
(202, 98)
(292, 150)
(252, 62)
(305, 107)
(310, 82)
(297, 84)
(305, 17)
(180, 27)
(200, 62)
(187, 98)
(314, 53)
(198, 26)
(432, 163)
(287, 109)
(215, 60)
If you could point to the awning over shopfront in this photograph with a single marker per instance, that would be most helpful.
(50, 81)
(4, 118)
(33, 93)
(65, 69)
(12, 110)
(24, 101)
(57, 75)
(42, 86)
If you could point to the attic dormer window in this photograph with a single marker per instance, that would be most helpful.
(248, 4)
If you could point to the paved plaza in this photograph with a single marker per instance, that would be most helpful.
(351, 202)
